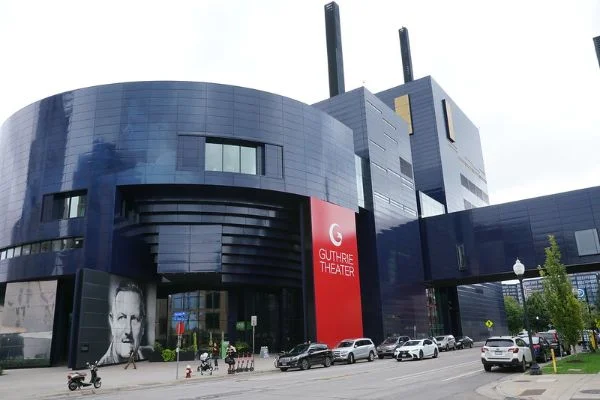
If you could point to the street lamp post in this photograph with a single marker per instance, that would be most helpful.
(519, 270)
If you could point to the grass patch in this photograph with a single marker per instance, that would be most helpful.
(582, 363)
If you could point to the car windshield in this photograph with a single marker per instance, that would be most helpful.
(412, 343)
(301, 348)
(535, 339)
(499, 343)
(390, 340)
(548, 336)
(345, 344)
(439, 338)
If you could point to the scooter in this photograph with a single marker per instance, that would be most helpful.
(252, 363)
(76, 379)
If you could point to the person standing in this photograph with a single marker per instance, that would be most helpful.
(231, 352)
(215, 355)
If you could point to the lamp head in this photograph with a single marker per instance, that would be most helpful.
(518, 268)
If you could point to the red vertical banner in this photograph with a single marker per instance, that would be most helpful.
(338, 310)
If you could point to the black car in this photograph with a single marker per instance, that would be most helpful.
(463, 342)
(304, 356)
(555, 343)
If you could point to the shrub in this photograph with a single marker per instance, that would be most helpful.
(168, 355)
(242, 347)
(158, 347)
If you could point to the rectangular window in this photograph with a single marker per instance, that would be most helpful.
(81, 205)
(231, 158)
(587, 242)
(9, 253)
(213, 299)
(248, 160)
(73, 207)
(77, 243)
(213, 157)
(26, 250)
(212, 321)
(45, 246)
(57, 245)
(35, 248)
(3, 255)
(406, 168)
(17, 251)
(63, 206)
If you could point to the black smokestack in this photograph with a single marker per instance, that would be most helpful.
(335, 59)
(597, 46)
(406, 58)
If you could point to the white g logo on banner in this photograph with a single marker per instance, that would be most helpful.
(335, 237)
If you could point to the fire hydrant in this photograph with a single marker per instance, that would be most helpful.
(188, 371)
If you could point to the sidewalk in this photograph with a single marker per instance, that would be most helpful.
(52, 382)
(544, 387)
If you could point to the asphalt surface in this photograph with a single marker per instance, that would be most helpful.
(453, 375)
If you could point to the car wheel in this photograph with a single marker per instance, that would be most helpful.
(470, 345)
(350, 358)
(380, 356)
(283, 369)
(399, 359)
(327, 363)
(487, 368)
(447, 348)
(304, 364)
(420, 354)
(371, 357)
(523, 366)
(435, 353)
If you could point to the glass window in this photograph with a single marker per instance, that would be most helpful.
(3, 255)
(17, 251)
(213, 300)
(248, 160)
(9, 253)
(587, 242)
(74, 207)
(77, 243)
(213, 157)
(26, 250)
(68, 243)
(35, 248)
(231, 158)
(212, 321)
(177, 302)
(57, 245)
(193, 301)
(45, 246)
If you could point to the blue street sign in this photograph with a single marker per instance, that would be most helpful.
(580, 293)
(180, 316)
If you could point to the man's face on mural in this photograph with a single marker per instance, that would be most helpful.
(126, 322)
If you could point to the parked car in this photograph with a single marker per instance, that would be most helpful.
(505, 351)
(555, 343)
(350, 350)
(541, 348)
(387, 347)
(416, 350)
(304, 356)
(463, 342)
(446, 342)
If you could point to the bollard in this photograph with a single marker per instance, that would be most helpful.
(553, 360)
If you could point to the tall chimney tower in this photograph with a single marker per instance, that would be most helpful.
(597, 46)
(335, 59)
(406, 58)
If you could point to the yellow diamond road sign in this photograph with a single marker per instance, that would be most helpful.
(489, 323)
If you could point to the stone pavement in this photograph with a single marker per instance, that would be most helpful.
(544, 387)
(52, 382)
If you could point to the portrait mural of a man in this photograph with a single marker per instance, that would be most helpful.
(127, 319)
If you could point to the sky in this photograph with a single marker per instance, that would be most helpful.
(525, 72)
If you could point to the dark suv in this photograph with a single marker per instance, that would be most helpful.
(304, 356)
(555, 343)
(388, 346)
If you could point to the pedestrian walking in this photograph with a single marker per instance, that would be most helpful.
(131, 360)
(231, 352)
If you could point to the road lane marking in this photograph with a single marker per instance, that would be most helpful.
(430, 371)
(461, 375)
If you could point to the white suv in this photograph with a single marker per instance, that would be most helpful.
(446, 342)
(505, 351)
(350, 350)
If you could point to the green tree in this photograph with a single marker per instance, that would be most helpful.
(564, 309)
(537, 312)
(514, 314)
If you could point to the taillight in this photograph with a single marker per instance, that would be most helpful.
(484, 349)
(536, 346)
(514, 349)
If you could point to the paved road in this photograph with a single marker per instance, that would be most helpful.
(454, 375)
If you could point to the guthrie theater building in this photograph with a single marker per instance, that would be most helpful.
(124, 205)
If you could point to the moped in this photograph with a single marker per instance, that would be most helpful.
(76, 379)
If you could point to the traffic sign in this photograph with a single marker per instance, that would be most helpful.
(580, 293)
(179, 328)
(180, 316)
(489, 323)
(253, 320)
